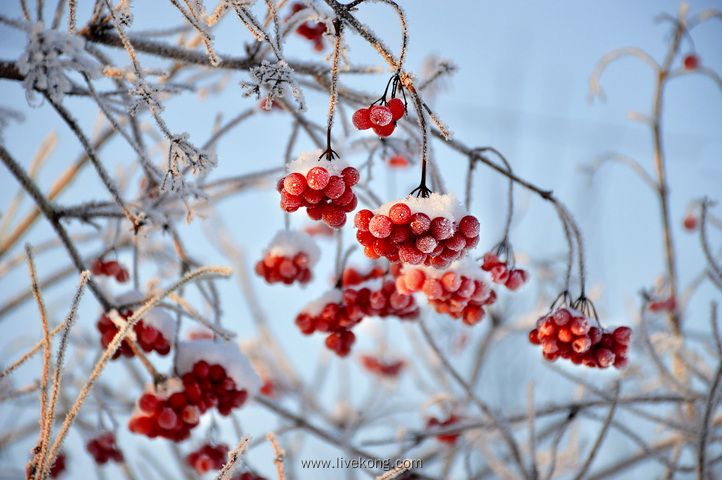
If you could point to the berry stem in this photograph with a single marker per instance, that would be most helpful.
(337, 25)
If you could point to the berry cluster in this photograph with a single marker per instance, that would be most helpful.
(449, 438)
(110, 269)
(289, 258)
(208, 458)
(334, 313)
(380, 118)
(310, 30)
(460, 291)
(434, 230)
(338, 311)
(503, 274)
(104, 449)
(380, 367)
(148, 337)
(58, 466)
(320, 185)
(568, 334)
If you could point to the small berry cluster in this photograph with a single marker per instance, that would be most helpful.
(449, 438)
(380, 118)
(334, 313)
(110, 269)
(338, 311)
(148, 338)
(503, 274)
(322, 186)
(461, 291)
(312, 31)
(173, 415)
(402, 231)
(381, 367)
(208, 458)
(289, 258)
(58, 466)
(104, 449)
(568, 334)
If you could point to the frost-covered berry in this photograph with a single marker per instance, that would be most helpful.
(380, 115)
(322, 186)
(361, 119)
(396, 106)
(103, 449)
(417, 230)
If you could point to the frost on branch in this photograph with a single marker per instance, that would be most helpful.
(273, 79)
(46, 56)
(181, 154)
(143, 94)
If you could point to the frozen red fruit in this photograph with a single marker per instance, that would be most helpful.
(380, 226)
(622, 335)
(516, 279)
(294, 183)
(361, 119)
(398, 161)
(380, 115)
(385, 130)
(442, 228)
(400, 213)
(350, 176)
(362, 219)
(335, 188)
(419, 223)
(396, 106)
(691, 62)
(334, 216)
(317, 178)
(469, 226)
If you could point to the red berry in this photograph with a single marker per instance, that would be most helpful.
(442, 228)
(469, 226)
(581, 344)
(362, 119)
(691, 62)
(350, 176)
(122, 276)
(579, 326)
(380, 115)
(411, 255)
(622, 335)
(335, 188)
(400, 213)
(419, 223)
(690, 222)
(333, 215)
(380, 226)
(516, 279)
(396, 106)
(384, 131)
(604, 357)
(294, 183)
(500, 274)
(98, 267)
(398, 161)
(111, 268)
(490, 261)
(201, 369)
(361, 220)
(167, 419)
(317, 178)
(147, 403)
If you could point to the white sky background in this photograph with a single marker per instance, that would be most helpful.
(522, 86)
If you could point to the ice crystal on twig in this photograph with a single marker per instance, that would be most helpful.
(46, 57)
(184, 154)
(145, 93)
(273, 78)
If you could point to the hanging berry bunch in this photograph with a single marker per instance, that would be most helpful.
(382, 367)
(312, 31)
(460, 291)
(110, 268)
(289, 258)
(335, 313)
(447, 438)
(208, 458)
(153, 333)
(213, 375)
(504, 273)
(433, 230)
(322, 185)
(567, 332)
(382, 115)
(103, 448)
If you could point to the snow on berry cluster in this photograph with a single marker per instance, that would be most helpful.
(435, 230)
(339, 310)
(447, 438)
(152, 333)
(568, 334)
(289, 258)
(208, 458)
(320, 185)
(213, 375)
(460, 291)
(312, 31)
(502, 273)
(380, 118)
(103, 449)
(110, 269)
